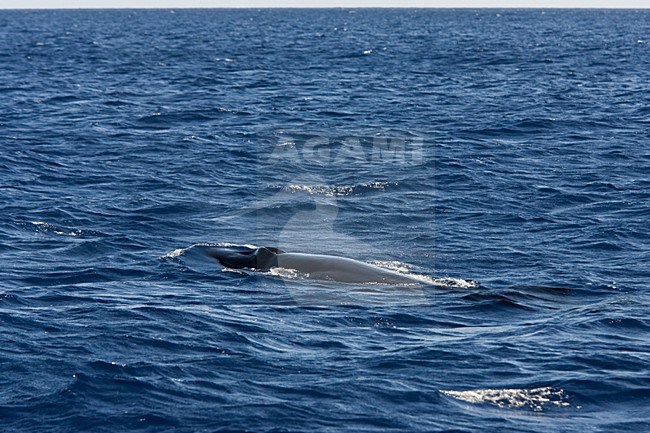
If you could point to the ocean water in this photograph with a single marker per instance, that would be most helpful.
(500, 155)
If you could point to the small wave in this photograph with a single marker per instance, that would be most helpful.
(335, 191)
(356, 54)
(11, 300)
(61, 99)
(224, 59)
(454, 283)
(60, 231)
(233, 271)
(173, 254)
(536, 399)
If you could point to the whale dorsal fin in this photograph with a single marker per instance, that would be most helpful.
(265, 258)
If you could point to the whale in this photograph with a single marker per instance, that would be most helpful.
(313, 266)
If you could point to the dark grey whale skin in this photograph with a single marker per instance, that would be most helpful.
(317, 266)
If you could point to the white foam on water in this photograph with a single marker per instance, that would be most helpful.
(535, 399)
(392, 265)
(403, 268)
(234, 271)
(454, 283)
(56, 230)
(332, 190)
(291, 274)
(225, 244)
(176, 253)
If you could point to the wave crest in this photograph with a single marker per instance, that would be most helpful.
(535, 399)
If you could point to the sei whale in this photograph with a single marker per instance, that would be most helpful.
(316, 266)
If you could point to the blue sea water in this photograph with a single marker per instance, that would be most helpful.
(501, 154)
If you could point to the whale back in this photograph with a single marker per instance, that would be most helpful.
(342, 269)
(317, 266)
